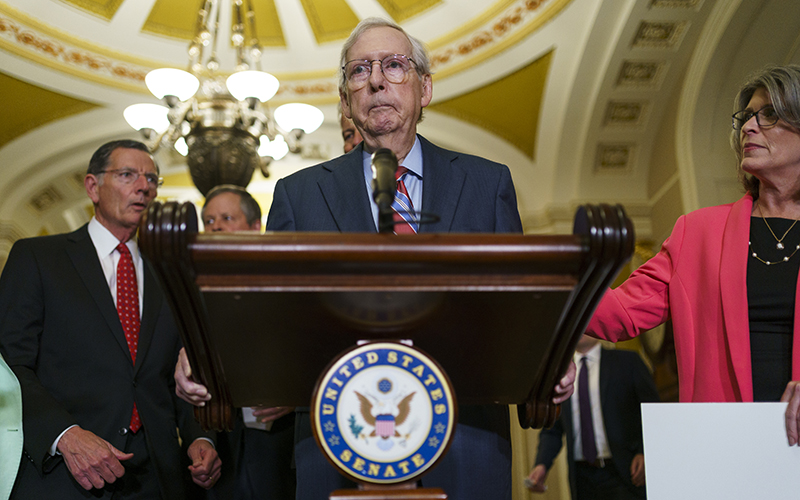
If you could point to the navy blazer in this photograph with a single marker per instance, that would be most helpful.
(625, 383)
(468, 194)
(61, 335)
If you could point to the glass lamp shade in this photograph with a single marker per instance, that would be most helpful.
(299, 116)
(170, 81)
(257, 84)
(152, 116)
(181, 147)
(277, 149)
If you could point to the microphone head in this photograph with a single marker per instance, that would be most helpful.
(384, 154)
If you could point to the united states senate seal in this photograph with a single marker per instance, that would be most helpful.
(384, 413)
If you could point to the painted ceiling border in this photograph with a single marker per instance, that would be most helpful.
(496, 36)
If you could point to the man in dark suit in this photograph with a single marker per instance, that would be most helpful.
(85, 327)
(612, 466)
(384, 84)
(258, 449)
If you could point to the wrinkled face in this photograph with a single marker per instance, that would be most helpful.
(118, 203)
(769, 150)
(224, 213)
(381, 107)
(350, 134)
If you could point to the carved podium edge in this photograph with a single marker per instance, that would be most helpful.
(601, 243)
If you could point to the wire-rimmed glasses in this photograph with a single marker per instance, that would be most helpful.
(129, 176)
(395, 67)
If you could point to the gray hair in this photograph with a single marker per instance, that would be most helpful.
(419, 53)
(248, 204)
(101, 158)
(782, 83)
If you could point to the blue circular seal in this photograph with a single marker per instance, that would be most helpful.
(384, 413)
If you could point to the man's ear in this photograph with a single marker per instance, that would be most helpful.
(256, 225)
(427, 90)
(92, 185)
(345, 105)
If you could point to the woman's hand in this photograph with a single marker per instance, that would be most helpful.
(792, 396)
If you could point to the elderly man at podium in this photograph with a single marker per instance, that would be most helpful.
(384, 84)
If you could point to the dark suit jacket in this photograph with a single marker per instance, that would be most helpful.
(60, 333)
(467, 193)
(625, 383)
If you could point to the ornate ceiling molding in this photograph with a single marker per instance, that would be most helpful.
(490, 34)
(25, 37)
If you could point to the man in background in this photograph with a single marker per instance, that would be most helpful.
(85, 328)
(230, 208)
(261, 443)
(603, 424)
(350, 134)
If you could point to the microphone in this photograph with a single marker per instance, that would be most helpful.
(384, 185)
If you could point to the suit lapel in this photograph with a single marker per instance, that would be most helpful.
(345, 193)
(84, 257)
(441, 186)
(733, 291)
(153, 300)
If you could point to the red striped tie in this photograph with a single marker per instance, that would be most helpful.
(128, 310)
(404, 216)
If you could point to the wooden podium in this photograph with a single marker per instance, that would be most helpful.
(261, 316)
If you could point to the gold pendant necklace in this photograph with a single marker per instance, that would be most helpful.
(779, 245)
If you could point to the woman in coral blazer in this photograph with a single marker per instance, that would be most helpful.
(728, 275)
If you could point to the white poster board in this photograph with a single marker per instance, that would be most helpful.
(708, 451)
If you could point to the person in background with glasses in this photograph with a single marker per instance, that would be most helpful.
(85, 327)
(727, 275)
(384, 84)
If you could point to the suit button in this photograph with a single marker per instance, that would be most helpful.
(123, 431)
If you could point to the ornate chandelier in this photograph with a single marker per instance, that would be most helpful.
(221, 125)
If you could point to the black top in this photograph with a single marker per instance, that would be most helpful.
(771, 297)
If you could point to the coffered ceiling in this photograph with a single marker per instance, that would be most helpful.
(586, 100)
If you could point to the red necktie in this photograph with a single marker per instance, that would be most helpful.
(404, 216)
(128, 310)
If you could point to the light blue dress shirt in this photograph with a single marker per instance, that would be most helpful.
(413, 181)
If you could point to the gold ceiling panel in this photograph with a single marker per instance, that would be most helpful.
(27, 107)
(268, 25)
(508, 107)
(173, 18)
(400, 10)
(101, 8)
(178, 19)
(330, 20)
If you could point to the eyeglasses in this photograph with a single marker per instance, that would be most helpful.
(129, 176)
(765, 117)
(394, 68)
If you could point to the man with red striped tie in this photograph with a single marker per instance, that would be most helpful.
(384, 83)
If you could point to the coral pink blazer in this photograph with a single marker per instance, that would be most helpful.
(699, 280)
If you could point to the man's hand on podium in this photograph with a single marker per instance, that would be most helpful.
(185, 387)
(566, 386)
